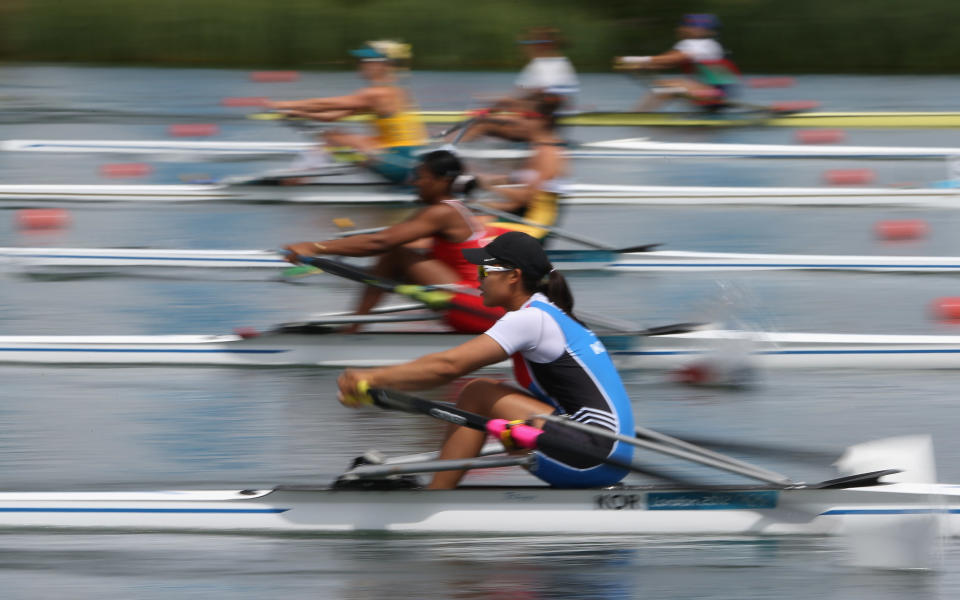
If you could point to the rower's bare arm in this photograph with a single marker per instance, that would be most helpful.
(428, 371)
(517, 197)
(326, 115)
(513, 198)
(357, 102)
(517, 103)
(424, 224)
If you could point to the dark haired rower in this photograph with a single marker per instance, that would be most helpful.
(445, 221)
(561, 365)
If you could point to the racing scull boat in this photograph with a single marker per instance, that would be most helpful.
(381, 496)
(391, 339)
(577, 194)
(79, 261)
(505, 510)
(866, 119)
(612, 149)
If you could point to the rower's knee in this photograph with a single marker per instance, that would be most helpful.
(479, 394)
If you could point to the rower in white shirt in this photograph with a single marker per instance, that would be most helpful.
(710, 74)
(547, 72)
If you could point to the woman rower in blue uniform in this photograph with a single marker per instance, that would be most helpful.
(561, 366)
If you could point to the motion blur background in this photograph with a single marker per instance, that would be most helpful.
(118, 69)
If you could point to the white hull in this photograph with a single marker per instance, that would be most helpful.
(636, 147)
(613, 149)
(590, 194)
(498, 510)
(267, 350)
(162, 149)
(210, 150)
(793, 350)
(80, 261)
(579, 194)
(679, 260)
(373, 348)
(98, 260)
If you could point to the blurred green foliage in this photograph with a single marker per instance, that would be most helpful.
(764, 35)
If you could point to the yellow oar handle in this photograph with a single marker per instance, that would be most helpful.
(361, 396)
(268, 116)
(435, 299)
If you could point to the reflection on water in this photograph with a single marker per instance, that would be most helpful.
(360, 568)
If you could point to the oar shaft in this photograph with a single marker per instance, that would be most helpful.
(462, 125)
(573, 237)
(643, 432)
(446, 412)
(435, 297)
(748, 471)
(343, 234)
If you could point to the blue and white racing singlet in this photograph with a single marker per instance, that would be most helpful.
(563, 364)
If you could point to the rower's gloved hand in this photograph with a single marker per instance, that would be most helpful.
(354, 386)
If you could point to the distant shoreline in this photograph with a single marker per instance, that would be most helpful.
(770, 36)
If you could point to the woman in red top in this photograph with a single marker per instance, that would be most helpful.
(445, 221)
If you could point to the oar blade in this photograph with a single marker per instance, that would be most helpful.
(643, 248)
(895, 539)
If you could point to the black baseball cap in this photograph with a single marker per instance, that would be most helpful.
(514, 249)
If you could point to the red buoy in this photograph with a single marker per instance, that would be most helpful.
(901, 229)
(192, 129)
(849, 176)
(246, 332)
(946, 309)
(720, 371)
(771, 82)
(794, 105)
(119, 170)
(256, 101)
(693, 374)
(34, 219)
(820, 136)
(274, 76)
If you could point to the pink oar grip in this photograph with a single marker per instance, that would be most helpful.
(496, 427)
(523, 436)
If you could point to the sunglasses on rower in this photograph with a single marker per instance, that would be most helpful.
(484, 270)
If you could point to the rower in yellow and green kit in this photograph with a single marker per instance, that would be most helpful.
(400, 132)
